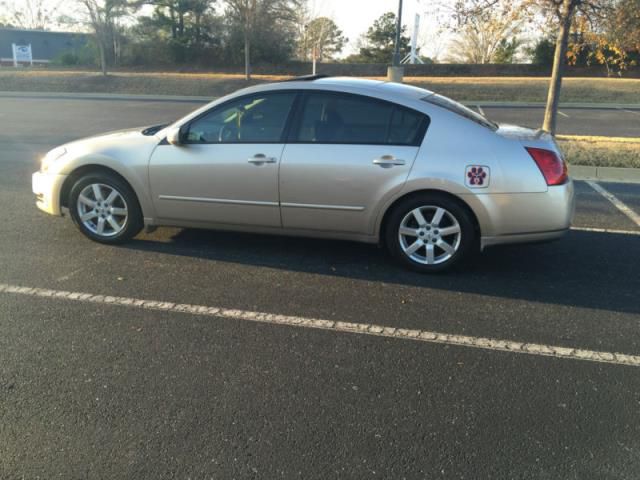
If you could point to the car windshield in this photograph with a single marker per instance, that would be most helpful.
(460, 109)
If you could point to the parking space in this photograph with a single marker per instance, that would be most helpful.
(106, 387)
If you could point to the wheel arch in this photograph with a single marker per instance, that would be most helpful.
(85, 170)
(381, 231)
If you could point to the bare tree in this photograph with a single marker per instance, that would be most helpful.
(322, 39)
(248, 11)
(480, 37)
(102, 16)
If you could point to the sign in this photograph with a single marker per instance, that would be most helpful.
(22, 53)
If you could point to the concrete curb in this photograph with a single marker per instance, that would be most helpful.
(199, 99)
(605, 174)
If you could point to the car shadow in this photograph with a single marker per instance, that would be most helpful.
(584, 269)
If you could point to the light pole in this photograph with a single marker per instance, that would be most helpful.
(395, 61)
(395, 72)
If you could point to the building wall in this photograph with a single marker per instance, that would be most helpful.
(45, 46)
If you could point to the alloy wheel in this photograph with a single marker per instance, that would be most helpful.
(429, 235)
(102, 210)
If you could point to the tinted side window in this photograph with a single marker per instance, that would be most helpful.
(407, 127)
(255, 119)
(355, 119)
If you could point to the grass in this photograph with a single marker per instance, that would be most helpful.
(601, 151)
(520, 89)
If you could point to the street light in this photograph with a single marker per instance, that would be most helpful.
(395, 61)
(395, 71)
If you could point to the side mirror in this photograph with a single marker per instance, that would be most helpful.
(174, 136)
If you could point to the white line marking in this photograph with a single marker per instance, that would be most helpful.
(480, 110)
(605, 230)
(69, 275)
(563, 114)
(337, 326)
(630, 111)
(635, 218)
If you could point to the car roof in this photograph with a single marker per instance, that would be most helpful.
(350, 84)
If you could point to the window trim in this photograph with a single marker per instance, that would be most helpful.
(184, 129)
(303, 98)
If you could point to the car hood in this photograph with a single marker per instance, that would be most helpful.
(115, 138)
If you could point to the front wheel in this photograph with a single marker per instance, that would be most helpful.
(430, 233)
(104, 208)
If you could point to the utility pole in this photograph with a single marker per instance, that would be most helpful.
(395, 72)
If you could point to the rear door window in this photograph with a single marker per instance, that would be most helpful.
(336, 118)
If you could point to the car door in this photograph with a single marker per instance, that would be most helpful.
(345, 154)
(226, 169)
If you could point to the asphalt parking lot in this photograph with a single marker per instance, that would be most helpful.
(104, 388)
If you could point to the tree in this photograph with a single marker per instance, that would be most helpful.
(507, 50)
(542, 52)
(323, 37)
(250, 13)
(612, 39)
(483, 30)
(561, 13)
(102, 16)
(184, 26)
(377, 45)
(483, 33)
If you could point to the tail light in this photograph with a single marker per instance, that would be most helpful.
(552, 167)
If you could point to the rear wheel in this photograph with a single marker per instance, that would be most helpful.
(104, 208)
(430, 233)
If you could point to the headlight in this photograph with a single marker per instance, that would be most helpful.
(51, 157)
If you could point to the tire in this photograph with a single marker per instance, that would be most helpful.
(104, 208)
(430, 233)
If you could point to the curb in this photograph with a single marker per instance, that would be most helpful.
(605, 174)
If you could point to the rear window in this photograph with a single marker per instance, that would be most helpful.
(460, 109)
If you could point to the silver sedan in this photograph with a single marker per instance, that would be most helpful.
(341, 158)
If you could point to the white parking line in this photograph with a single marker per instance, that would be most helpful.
(357, 328)
(630, 111)
(605, 230)
(563, 114)
(635, 218)
(480, 110)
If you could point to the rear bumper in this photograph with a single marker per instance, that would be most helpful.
(527, 217)
(46, 188)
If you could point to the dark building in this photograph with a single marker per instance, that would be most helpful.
(45, 45)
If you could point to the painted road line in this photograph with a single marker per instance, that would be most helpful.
(480, 110)
(567, 353)
(630, 111)
(563, 114)
(635, 218)
(605, 230)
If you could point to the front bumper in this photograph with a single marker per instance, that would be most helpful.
(47, 188)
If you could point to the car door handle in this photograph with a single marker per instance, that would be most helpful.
(260, 158)
(387, 161)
